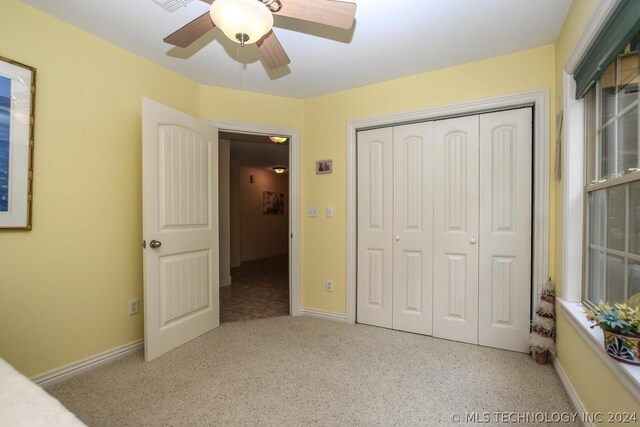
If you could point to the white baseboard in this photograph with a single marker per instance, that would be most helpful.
(69, 371)
(578, 406)
(321, 314)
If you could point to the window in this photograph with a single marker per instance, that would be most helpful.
(612, 244)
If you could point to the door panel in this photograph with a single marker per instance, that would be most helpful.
(413, 225)
(375, 227)
(505, 229)
(180, 211)
(184, 178)
(455, 290)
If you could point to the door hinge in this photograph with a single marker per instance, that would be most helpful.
(144, 244)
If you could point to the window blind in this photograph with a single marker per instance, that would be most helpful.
(623, 24)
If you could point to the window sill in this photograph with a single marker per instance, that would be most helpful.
(629, 375)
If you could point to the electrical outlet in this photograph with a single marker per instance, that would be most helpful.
(329, 286)
(314, 212)
(133, 307)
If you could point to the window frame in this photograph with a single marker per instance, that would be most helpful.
(594, 129)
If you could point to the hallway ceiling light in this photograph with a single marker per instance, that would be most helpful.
(278, 139)
(279, 169)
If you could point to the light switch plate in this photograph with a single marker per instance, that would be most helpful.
(329, 211)
(314, 212)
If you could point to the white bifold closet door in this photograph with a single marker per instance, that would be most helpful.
(482, 229)
(413, 227)
(444, 228)
(395, 226)
(375, 227)
(455, 293)
(505, 229)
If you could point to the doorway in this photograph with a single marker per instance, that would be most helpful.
(254, 197)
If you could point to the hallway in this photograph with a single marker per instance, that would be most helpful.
(259, 289)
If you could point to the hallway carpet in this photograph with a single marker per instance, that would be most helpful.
(302, 371)
(259, 289)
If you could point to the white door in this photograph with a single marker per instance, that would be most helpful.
(455, 289)
(375, 227)
(505, 229)
(413, 227)
(180, 227)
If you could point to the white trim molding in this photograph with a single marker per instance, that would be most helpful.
(573, 199)
(628, 375)
(601, 15)
(539, 99)
(578, 406)
(69, 371)
(294, 196)
(321, 314)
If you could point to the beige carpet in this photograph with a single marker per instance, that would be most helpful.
(288, 371)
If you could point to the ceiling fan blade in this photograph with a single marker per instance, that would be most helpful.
(338, 14)
(191, 32)
(272, 51)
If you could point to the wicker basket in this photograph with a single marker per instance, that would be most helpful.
(541, 357)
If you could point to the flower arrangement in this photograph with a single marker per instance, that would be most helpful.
(619, 318)
(621, 327)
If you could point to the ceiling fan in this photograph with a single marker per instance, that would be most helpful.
(250, 21)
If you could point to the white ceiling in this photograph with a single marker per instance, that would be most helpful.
(390, 39)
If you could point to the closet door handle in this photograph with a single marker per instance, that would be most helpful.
(397, 237)
(472, 241)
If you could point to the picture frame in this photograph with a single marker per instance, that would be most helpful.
(272, 203)
(17, 119)
(324, 166)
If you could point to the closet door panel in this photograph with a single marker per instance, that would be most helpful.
(413, 227)
(455, 289)
(375, 227)
(505, 229)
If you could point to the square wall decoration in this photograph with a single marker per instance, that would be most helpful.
(17, 96)
(272, 203)
(324, 166)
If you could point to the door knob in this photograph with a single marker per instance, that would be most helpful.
(397, 238)
(155, 244)
(472, 241)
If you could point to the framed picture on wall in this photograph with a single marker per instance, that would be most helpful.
(17, 95)
(324, 166)
(272, 203)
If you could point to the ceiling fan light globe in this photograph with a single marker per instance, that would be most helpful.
(248, 17)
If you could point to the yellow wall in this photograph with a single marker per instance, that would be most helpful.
(600, 390)
(64, 286)
(324, 239)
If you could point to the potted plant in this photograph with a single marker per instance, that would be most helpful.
(543, 326)
(621, 327)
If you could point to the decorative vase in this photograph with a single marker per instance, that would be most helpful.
(542, 357)
(623, 347)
